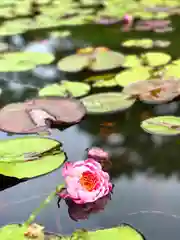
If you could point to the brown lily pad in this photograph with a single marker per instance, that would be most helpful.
(155, 90)
(153, 25)
(39, 114)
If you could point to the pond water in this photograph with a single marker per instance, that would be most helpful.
(145, 169)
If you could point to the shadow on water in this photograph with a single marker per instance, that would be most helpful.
(145, 170)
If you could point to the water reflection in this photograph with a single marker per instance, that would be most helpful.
(145, 169)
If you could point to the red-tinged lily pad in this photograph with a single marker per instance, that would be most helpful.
(37, 115)
(154, 25)
(106, 20)
(154, 91)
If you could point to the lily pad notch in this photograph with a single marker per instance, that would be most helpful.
(28, 157)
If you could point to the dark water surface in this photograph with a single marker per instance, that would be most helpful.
(146, 168)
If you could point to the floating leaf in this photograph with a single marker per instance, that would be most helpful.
(132, 61)
(95, 59)
(124, 231)
(3, 46)
(107, 102)
(73, 63)
(100, 77)
(161, 43)
(106, 61)
(76, 89)
(38, 57)
(52, 90)
(12, 232)
(10, 66)
(142, 43)
(155, 59)
(23, 61)
(133, 75)
(155, 90)
(65, 88)
(163, 125)
(28, 157)
(36, 115)
(61, 34)
(172, 71)
(176, 62)
(105, 83)
(8, 30)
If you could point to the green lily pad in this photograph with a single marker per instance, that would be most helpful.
(95, 61)
(155, 59)
(172, 71)
(61, 34)
(107, 60)
(133, 75)
(103, 77)
(76, 89)
(142, 43)
(176, 62)
(9, 30)
(73, 63)
(104, 103)
(23, 61)
(6, 66)
(163, 125)
(37, 57)
(13, 231)
(125, 232)
(132, 61)
(52, 90)
(3, 46)
(28, 157)
(65, 88)
(105, 83)
(161, 43)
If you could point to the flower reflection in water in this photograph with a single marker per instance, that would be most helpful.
(83, 211)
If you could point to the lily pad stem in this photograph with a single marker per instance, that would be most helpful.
(34, 214)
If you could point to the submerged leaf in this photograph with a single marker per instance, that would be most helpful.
(163, 125)
(107, 102)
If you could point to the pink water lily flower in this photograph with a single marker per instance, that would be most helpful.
(98, 154)
(85, 181)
